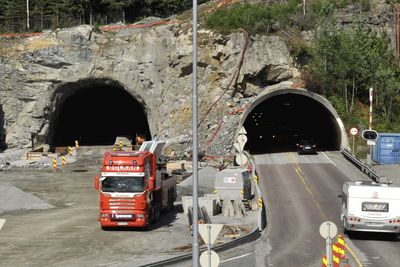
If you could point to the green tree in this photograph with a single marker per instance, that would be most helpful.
(119, 6)
(346, 63)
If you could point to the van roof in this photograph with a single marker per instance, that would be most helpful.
(368, 189)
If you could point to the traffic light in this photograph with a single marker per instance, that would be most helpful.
(369, 135)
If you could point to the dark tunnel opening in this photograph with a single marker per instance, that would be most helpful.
(278, 123)
(96, 116)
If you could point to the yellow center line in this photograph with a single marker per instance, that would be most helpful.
(303, 180)
(354, 256)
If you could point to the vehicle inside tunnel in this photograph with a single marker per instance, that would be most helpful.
(96, 116)
(280, 122)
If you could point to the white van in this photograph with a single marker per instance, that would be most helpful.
(370, 206)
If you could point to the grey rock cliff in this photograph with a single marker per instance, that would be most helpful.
(152, 64)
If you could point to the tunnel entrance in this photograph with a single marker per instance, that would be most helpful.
(279, 122)
(96, 116)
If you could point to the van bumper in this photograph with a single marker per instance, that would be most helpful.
(372, 226)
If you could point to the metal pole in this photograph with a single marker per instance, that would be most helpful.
(195, 247)
(329, 247)
(209, 245)
(353, 145)
(371, 91)
(27, 14)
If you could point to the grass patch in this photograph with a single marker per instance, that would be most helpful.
(254, 18)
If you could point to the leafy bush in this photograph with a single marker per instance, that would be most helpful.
(254, 18)
(345, 64)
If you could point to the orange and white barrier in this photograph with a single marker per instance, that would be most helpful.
(54, 164)
(69, 149)
(338, 253)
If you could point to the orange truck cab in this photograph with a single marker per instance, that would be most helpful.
(134, 189)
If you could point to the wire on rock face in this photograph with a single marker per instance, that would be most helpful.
(232, 81)
(234, 77)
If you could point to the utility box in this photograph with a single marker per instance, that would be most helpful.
(233, 184)
(387, 149)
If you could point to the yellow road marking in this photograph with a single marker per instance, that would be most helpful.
(354, 256)
(303, 180)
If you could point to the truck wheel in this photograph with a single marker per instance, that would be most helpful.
(158, 213)
(170, 204)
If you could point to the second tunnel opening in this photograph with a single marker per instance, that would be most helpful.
(278, 123)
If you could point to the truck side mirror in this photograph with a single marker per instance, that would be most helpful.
(96, 183)
(151, 184)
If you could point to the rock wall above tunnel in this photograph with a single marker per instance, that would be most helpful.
(153, 65)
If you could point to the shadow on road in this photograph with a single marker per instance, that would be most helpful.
(374, 236)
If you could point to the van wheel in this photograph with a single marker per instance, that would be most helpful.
(345, 231)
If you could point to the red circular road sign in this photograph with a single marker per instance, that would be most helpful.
(354, 131)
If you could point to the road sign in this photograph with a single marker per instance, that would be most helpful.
(209, 232)
(371, 142)
(354, 131)
(369, 135)
(328, 229)
(238, 147)
(241, 159)
(2, 222)
(241, 141)
(204, 259)
(242, 131)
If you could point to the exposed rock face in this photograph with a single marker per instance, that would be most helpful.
(152, 64)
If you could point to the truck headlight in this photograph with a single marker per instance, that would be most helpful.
(140, 215)
(104, 215)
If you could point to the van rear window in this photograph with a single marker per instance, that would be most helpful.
(375, 206)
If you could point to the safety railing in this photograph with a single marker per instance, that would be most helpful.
(363, 167)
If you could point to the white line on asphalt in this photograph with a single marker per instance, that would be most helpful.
(238, 257)
(2, 222)
(333, 163)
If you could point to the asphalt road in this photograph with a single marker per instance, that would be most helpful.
(301, 193)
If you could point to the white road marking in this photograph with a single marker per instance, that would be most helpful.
(2, 222)
(238, 257)
(333, 163)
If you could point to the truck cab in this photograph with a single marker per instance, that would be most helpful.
(133, 189)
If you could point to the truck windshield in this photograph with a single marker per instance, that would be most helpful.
(126, 184)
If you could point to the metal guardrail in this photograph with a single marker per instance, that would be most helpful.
(363, 167)
(252, 236)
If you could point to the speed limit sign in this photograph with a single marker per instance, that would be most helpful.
(354, 131)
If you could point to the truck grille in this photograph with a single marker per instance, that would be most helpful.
(124, 204)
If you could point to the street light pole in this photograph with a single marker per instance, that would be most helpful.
(195, 220)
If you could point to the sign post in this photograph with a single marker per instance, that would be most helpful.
(353, 132)
(328, 230)
(209, 233)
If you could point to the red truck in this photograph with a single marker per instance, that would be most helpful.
(134, 188)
